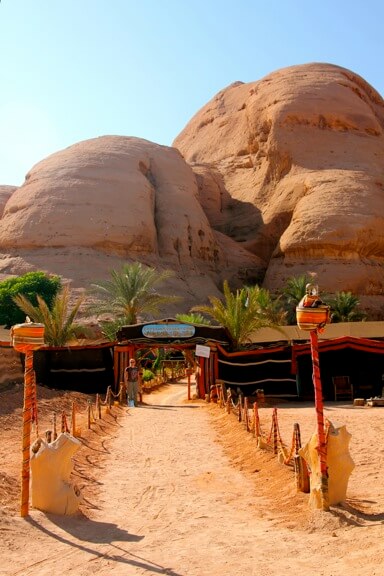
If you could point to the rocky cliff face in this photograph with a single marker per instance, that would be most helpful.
(270, 179)
(292, 167)
(87, 209)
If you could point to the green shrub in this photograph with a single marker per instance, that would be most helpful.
(147, 375)
(29, 285)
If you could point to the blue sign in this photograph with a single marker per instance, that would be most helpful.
(168, 331)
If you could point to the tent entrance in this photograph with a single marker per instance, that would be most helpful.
(196, 343)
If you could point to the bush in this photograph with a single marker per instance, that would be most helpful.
(147, 375)
(29, 285)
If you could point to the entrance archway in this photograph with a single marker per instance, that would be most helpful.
(199, 341)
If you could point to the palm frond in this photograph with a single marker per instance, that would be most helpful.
(239, 312)
(59, 320)
(131, 292)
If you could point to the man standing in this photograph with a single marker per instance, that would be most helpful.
(131, 379)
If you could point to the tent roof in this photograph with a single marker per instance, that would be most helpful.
(170, 330)
(338, 330)
(5, 341)
(334, 344)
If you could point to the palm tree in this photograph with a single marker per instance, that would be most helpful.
(130, 293)
(270, 307)
(292, 293)
(239, 313)
(344, 308)
(193, 318)
(58, 320)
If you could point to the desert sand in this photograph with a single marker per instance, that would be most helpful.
(179, 487)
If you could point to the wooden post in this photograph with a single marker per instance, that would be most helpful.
(300, 465)
(256, 420)
(274, 424)
(189, 373)
(202, 378)
(229, 400)
(246, 419)
(54, 426)
(220, 385)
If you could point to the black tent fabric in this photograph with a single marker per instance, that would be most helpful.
(361, 360)
(88, 369)
(268, 369)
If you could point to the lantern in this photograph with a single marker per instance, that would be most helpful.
(311, 312)
(28, 336)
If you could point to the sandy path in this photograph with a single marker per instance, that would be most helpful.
(170, 501)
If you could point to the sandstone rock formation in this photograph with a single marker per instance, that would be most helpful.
(292, 167)
(97, 204)
(271, 179)
(5, 194)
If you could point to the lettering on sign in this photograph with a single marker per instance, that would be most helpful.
(203, 351)
(168, 331)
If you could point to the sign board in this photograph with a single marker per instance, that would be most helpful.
(203, 351)
(168, 331)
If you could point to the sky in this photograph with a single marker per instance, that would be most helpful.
(77, 69)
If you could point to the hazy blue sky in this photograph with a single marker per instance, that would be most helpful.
(76, 69)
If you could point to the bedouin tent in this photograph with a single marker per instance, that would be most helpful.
(359, 361)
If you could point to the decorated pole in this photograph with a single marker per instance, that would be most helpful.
(26, 338)
(27, 421)
(322, 442)
(312, 315)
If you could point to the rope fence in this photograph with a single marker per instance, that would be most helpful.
(93, 411)
(249, 415)
(69, 422)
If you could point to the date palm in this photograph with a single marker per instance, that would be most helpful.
(271, 307)
(193, 318)
(292, 293)
(345, 308)
(129, 294)
(58, 319)
(239, 313)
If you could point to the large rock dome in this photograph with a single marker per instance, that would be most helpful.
(292, 167)
(270, 179)
(87, 209)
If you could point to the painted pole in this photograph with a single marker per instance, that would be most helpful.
(322, 442)
(26, 338)
(27, 420)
